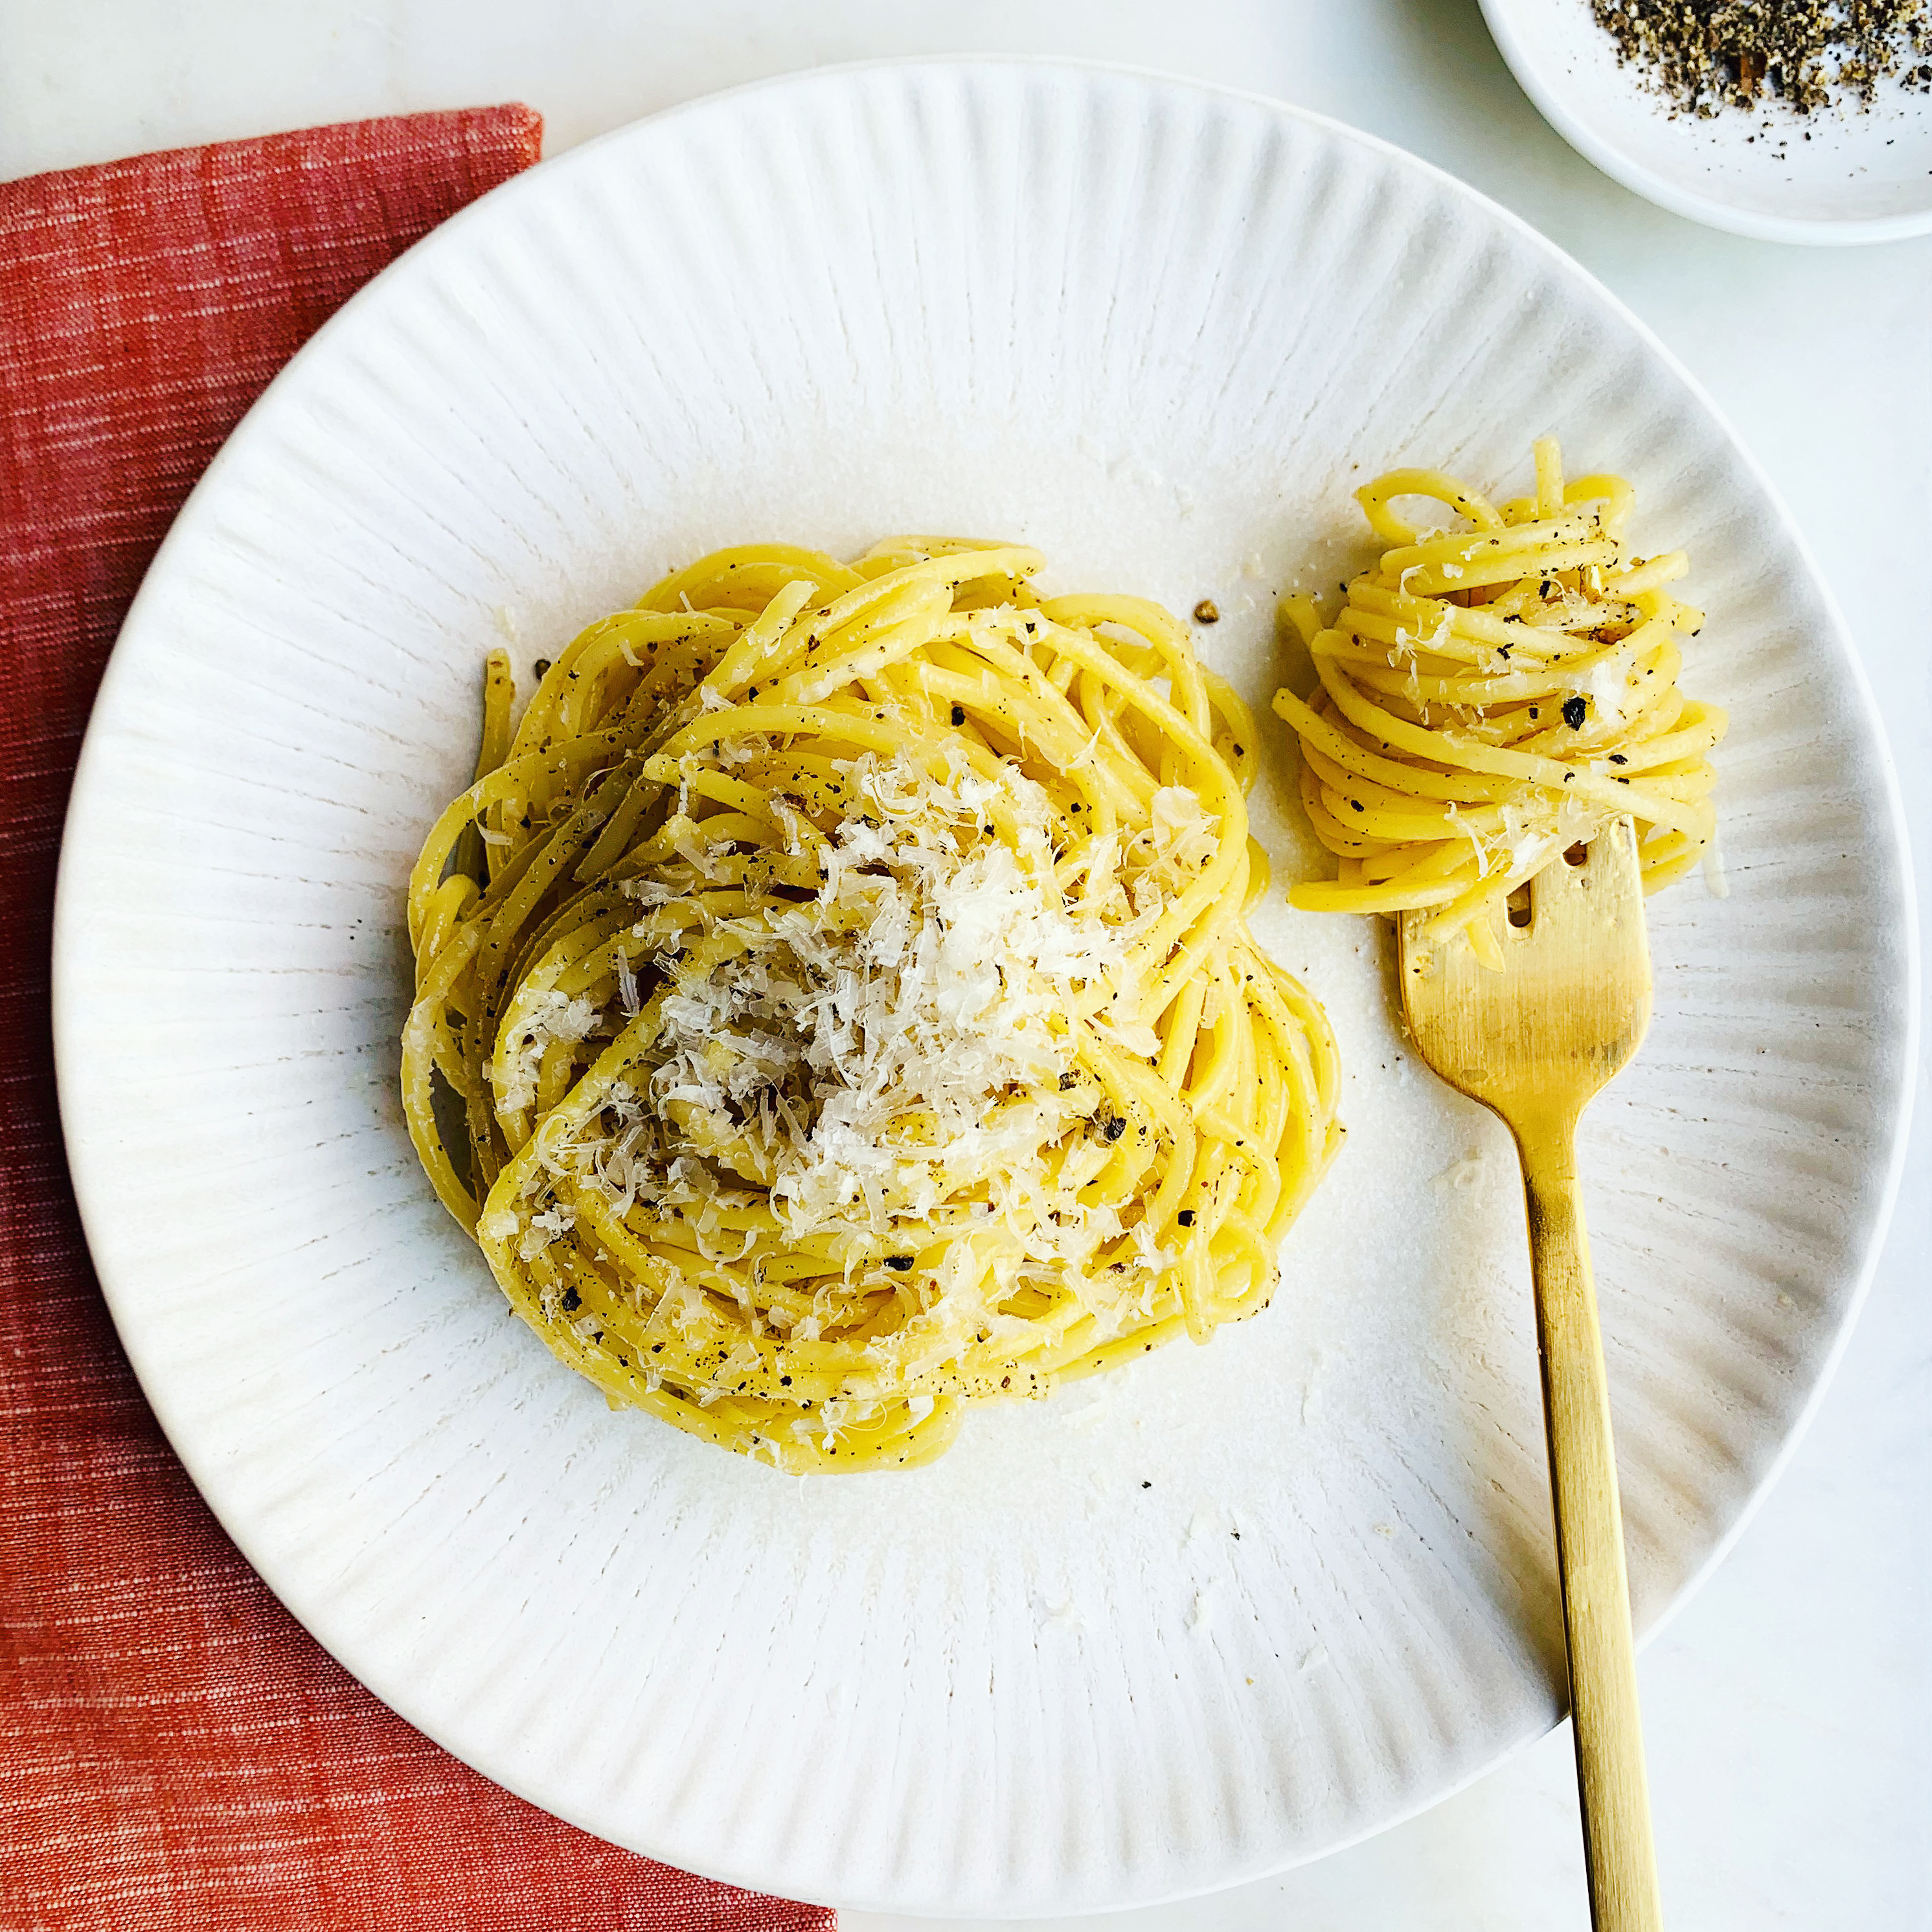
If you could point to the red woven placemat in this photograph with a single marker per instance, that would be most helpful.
(176, 1752)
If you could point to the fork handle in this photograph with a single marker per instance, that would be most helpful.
(1617, 1847)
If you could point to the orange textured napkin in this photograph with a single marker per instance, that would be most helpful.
(176, 1752)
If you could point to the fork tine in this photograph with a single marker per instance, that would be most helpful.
(1610, 873)
(1572, 1001)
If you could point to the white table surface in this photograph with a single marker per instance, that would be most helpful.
(1788, 1705)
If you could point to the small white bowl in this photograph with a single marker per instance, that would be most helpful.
(1835, 176)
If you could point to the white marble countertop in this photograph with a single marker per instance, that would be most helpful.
(1788, 1705)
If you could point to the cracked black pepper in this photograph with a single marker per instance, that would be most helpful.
(1810, 56)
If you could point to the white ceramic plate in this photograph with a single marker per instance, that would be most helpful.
(1176, 1628)
(1834, 177)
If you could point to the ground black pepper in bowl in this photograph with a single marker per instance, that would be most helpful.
(1705, 55)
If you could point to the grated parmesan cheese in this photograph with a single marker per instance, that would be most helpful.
(557, 1018)
(900, 1039)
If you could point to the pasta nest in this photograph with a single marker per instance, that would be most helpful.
(835, 1004)
(1491, 694)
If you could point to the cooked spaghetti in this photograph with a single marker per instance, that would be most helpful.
(835, 1002)
(1492, 694)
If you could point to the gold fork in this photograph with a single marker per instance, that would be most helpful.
(1534, 1043)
